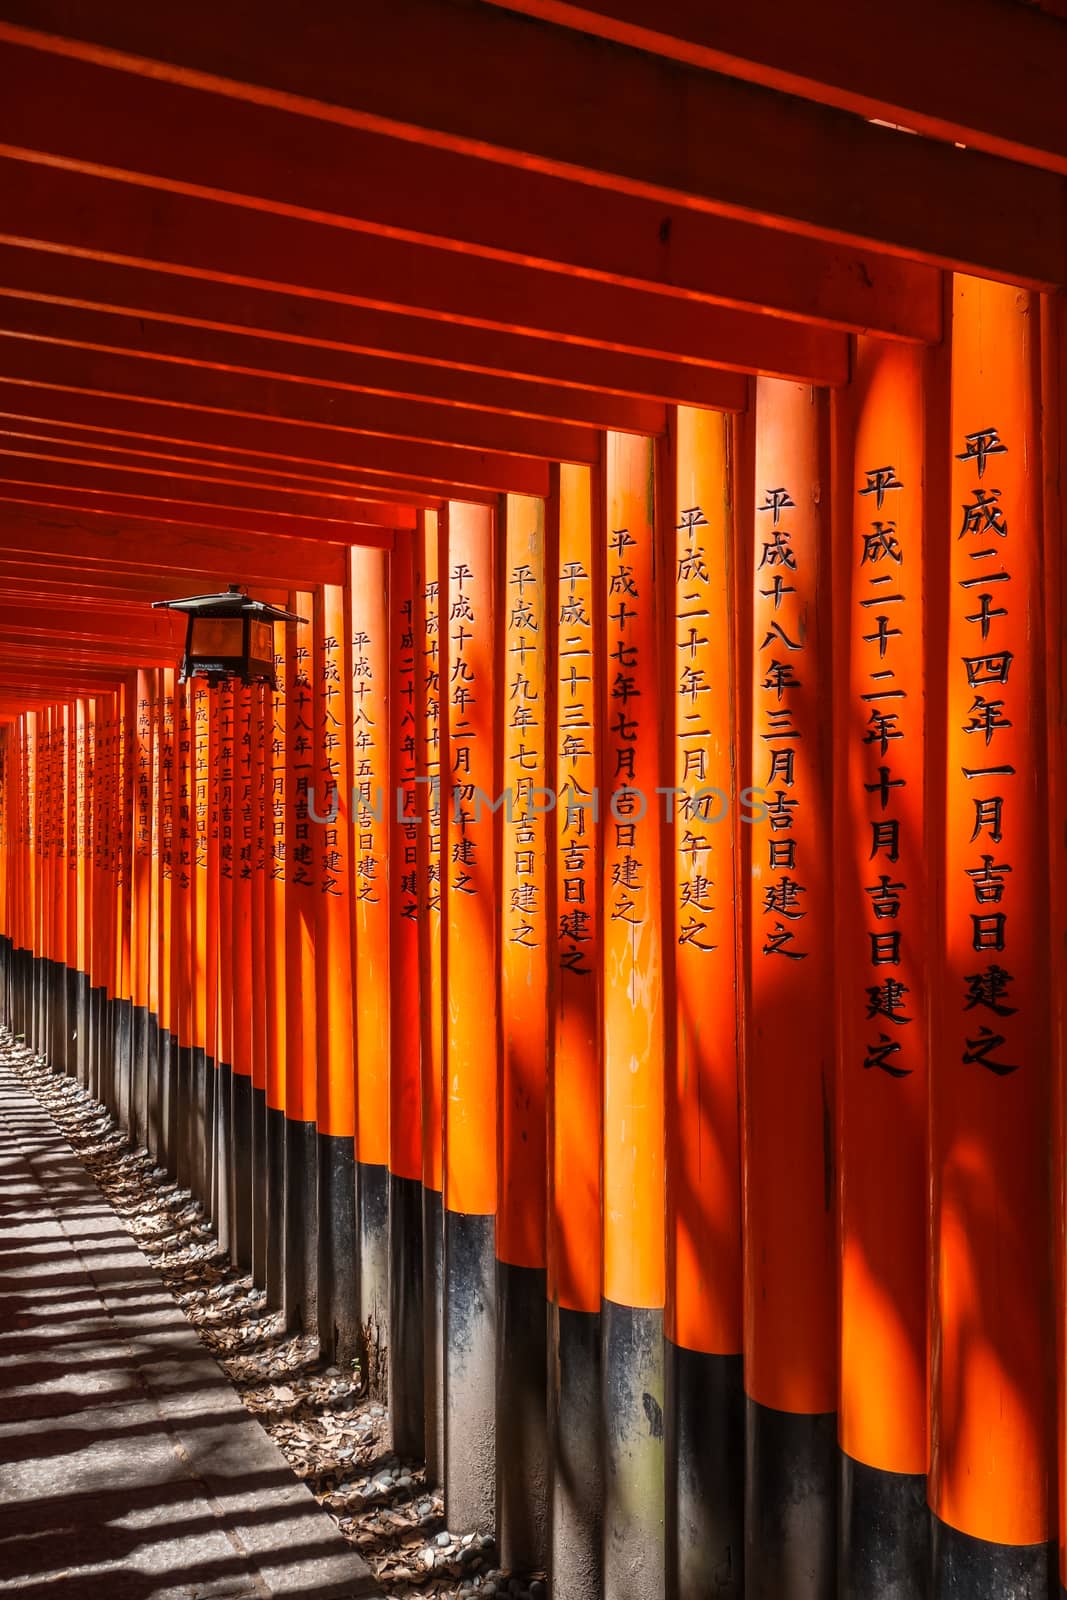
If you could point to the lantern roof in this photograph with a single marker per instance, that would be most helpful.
(232, 602)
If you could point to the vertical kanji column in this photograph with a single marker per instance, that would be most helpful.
(255, 850)
(705, 1400)
(84, 889)
(277, 1002)
(121, 858)
(633, 1040)
(183, 927)
(70, 735)
(992, 1436)
(470, 888)
(332, 840)
(371, 789)
(223, 952)
(206, 940)
(167, 950)
(574, 580)
(406, 1372)
(790, 1282)
(883, 923)
(143, 708)
(301, 1200)
(428, 635)
(243, 1001)
(520, 1234)
(153, 1042)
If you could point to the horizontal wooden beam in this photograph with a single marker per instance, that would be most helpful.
(275, 360)
(222, 470)
(328, 405)
(776, 346)
(200, 144)
(42, 586)
(128, 224)
(146, 547)
(922, 71)
(649, 126)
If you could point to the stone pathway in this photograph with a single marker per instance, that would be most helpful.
(129, 1468)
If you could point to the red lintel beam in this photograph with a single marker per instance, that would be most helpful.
(250, 393)
(77, 537)
(752, 342)
(286, 361)
(46, 483)
(45, 585)
(96, 625)
(649, 126)
(202, 486)
(198, 143)
(279, 491)
(921, 72)
(131, 225)
(266, 442)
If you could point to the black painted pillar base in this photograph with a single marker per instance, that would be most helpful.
(83, 1028)
(258, 1209)
(576, 1448)
(884, 1533)
(705, 1446)
(138, 1100)
(634, 1490)
(470, 1373)
(406, 1375)
(153, 1087)
(52, 1019)
(338, 1315)
(790, 1504)
(70, 1022)
(124, 1083)
(275, 1209)
(168, 1101)
(186, 1119)
(372, 1210)
(967, 1567)
(433, 1332)
(300, 1289)
(522, 1416)
(240, 1169)
(222, 1165)
(95, 1011)
(201, 1107)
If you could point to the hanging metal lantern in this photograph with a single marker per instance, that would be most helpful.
(229, 635)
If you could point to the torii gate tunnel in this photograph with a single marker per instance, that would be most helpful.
(613, 987)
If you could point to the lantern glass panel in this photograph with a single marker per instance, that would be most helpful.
(261, 641)
(215, 638)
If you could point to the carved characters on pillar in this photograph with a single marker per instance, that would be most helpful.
(781, 647)
(431, 739)
(980, 601)
(462, 682)
(524, 756)
(698, 804)
(331, 862)
(367, 756)
(885, 735)
(577, 828)
(407, 808)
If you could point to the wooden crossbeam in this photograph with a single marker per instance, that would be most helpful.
(416, 69)
(976, 71)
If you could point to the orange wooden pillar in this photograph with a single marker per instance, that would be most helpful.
(242, 1000)
(255, 852)
(789, 1308)
(521, 1284)
(275, 1028)
(1054, 454)
(371, 790)
(470, 887)
(185, 866)
(130, 1085)
(705, 1397)
(331, 837)
(166, 948)
(83, 889)
(634, 1266)
(992, 1436)
(70, 739)
(428, 637)
(46, 870)
(300, 1196)
(205, 941)
(574, 656)
(143, 709)
(223, 955)
(406, 1390)
(883, 920)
